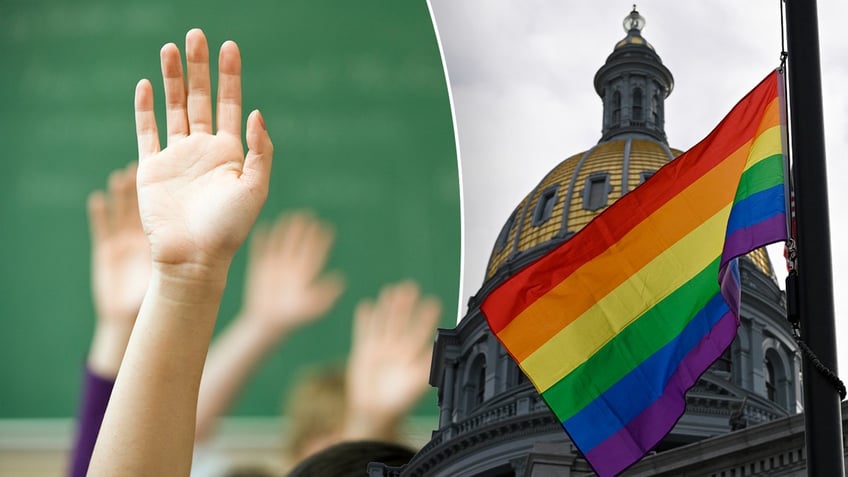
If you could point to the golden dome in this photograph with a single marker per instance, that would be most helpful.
(633, 84)
(575, 192)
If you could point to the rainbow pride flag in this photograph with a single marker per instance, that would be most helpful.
(618, 322)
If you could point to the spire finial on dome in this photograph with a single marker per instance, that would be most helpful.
(633, 84)
(634, 21)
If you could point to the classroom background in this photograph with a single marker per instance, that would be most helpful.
(355, 98)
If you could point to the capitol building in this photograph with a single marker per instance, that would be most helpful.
(743, 417)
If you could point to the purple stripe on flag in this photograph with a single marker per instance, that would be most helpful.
(749, 238)
(644, 432)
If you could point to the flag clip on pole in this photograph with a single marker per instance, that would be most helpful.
(790, 251)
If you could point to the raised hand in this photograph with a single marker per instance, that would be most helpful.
(286, 285)
(120, 255)
(199, 196)
(120, 268)
(389, 363)
(197, 200)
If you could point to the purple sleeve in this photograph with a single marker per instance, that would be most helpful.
(95, 397)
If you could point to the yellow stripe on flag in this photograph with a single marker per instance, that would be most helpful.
(677, 218)
(765, 145)
(581, 339)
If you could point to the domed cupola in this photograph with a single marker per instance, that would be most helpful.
(633, 84)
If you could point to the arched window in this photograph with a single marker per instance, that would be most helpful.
(475, 384)
(777, 377)
(503, 237)
(616, 109)
(481, 385)
(770, 381)
(637, 105)
(596, 191)
(655, 110)
(545, 205)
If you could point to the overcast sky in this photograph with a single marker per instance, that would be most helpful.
(521, 75)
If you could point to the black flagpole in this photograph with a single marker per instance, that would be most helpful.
(822, 411)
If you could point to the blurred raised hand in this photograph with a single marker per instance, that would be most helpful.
(389, 364)
(120, 272)
(286, 287)
(120, 269)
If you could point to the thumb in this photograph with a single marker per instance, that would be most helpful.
(260, 151)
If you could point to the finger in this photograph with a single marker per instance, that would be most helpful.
(363, 323)
(118, 198)
(315, 248)
(421, 355)
(145, 121)
(382, 307)
(287, 234)
(298, 247)
(175, 95)
(229, 90)
(98, 221)
(418, 346)
(421, 369)
(402, 309)
(260, 154)
(133, 217)
(385, 312)
(199, 91)
(256, 256)
(258, 245)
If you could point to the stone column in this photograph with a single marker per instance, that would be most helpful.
(447, 388)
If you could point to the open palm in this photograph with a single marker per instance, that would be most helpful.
(286, 283)
(120, 253)
(390, 358)
(200, 195)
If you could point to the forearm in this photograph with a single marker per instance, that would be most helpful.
(148, 428)
(233, 357)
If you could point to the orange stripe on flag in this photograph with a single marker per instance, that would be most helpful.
(526, 332)
(506, 302)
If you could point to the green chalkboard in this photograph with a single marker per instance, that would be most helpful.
(356, 101)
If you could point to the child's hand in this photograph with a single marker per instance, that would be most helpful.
(200, 195)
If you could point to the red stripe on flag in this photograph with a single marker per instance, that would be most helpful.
(522, 289)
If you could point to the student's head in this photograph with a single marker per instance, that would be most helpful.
(351, 459)
(315, 411)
